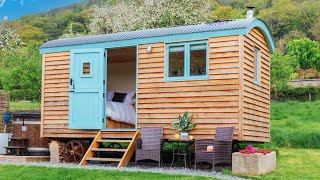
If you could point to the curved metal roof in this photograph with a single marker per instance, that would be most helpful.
(194, 28)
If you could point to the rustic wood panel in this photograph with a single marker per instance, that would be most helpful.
(256, 97)
(215, 102)
(32, 133)
(111, 124)
(4, 107)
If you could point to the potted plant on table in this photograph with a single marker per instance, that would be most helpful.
(184, 125)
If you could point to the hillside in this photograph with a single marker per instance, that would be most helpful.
(288, 19)
(295, 124)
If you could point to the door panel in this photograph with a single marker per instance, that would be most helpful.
(87, 88)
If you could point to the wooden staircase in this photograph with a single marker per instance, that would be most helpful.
(95, 148)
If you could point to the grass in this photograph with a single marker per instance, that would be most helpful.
(291, 164)
(21, 105)
(295, 164)
(43, 173)
(295, 124)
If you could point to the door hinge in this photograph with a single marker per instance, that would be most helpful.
(104, 82)
(103, 120)
(103, 95)
(104, 54)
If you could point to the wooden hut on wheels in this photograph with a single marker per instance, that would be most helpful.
(109, 86)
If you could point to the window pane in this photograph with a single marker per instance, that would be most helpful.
(86, 69)
(198, 60)
(176, 61)
(256, 64)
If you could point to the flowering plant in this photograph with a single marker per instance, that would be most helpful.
(252, 150)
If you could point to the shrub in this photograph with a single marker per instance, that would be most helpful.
(302, 93)
(304, 53)
(308, 73)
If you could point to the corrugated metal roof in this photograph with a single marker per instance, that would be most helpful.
(148, 33)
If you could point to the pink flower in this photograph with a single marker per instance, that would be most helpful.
(251, 148)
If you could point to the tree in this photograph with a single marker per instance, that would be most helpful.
(9, 39)
(315, 30)
(281, 17)
(226, 12)
(74, 29)
(26, 31)
(280, 71)
(20, 73)
(128, 16)
(308, 16)
(304, 53)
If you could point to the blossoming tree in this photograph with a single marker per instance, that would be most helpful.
(129, 16)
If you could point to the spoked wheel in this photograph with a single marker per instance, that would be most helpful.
(73, 152)
(115, 146)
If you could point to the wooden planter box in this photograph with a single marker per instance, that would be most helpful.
(253, 164)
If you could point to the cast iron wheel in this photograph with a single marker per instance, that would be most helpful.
(73, 152)
(115, 146)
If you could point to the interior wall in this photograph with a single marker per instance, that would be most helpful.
(121, 76)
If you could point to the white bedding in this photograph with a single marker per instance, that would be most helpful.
(121, 112)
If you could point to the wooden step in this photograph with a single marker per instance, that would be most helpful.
(114, 140)
(108, 149)
(112, 137)
(104, 159)
(117, 135)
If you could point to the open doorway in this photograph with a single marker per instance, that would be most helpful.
(121, 88)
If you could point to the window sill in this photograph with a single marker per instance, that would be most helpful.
(193, 78)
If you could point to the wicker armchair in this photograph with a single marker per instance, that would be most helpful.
(222, 148)
(150, 145)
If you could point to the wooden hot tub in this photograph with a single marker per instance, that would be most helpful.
(27, 125)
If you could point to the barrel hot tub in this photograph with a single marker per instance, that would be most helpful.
(27, 125)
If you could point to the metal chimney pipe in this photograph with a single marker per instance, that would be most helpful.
(250, 12)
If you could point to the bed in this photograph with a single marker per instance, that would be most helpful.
(120, 115)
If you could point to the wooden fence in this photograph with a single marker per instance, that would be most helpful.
(4, 107)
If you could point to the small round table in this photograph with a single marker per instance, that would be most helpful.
(177, 151)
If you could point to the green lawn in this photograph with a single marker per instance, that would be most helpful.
(296, 164)
(295, 124)
(291, 164)
(34, 172)
(17, 106)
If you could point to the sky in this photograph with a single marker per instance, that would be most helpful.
(13, 9)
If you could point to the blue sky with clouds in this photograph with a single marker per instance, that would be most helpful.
(13, 9)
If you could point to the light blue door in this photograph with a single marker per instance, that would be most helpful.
(87, 89)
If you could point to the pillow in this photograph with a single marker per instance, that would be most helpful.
(129, 98)
(133, 101)
(119, 97)
(110, 95)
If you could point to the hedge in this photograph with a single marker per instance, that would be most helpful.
(303, 93)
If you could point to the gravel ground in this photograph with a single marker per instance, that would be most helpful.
(165, 170)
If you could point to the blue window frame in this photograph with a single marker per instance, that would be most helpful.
(187, 61)
(256, 66)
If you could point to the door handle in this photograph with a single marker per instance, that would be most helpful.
(72, 84)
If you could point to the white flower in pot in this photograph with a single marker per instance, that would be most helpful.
(184, 125)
